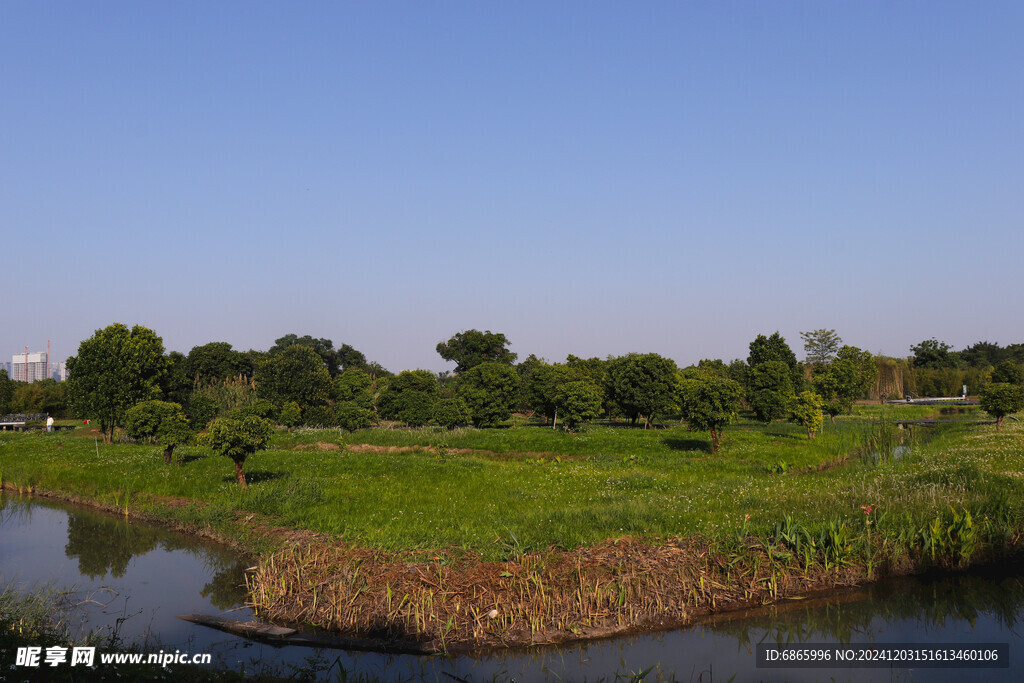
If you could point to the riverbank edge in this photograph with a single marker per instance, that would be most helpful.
(456, 602)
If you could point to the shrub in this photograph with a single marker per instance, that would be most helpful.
(351, 416)
(451, 413)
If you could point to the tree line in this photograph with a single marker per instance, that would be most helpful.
(302, 380)
(230, 400)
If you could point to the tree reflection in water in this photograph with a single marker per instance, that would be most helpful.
(104, 546)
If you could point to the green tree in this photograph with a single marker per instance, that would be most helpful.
(322, 347)
(1007, 372)
(1000, 399)
(770, 390)
(642, 384)
(774, 348)
(349, 358)
(820, 346)
(159, 422)
(295, 374)
(45, 396)
(981, 354)
(472, 347)
(202, 407)
(354, 385)
(176, 385)
(319, 416)
(932, 354)
(834, 385)
(113, 370)
(709, 403)
(217, 361)
(351, 416)
(6, 392)
(409, 396)
(846, 379)
(490, 391)
(238, 439)
(525, 370)
(805, 409)
(543, 384)
(578, 401)
(261, 407)
(451, 412)
(291, 415)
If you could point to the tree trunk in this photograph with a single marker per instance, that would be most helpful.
(555, 421)
(240, 474)
(714, 440)
(168, 454)
(999, 423)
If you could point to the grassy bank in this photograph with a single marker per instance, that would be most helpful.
(507, 536)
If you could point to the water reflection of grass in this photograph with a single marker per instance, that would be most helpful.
(929, 603)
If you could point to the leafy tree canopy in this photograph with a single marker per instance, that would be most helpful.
(820, 346)
(1008, 372)
(544, 383)
(770, 390)
(472, 347)
(578, 401)
(451, 412)
(489, 391)
(349, 358)
(409, 396)
(6, 392)
(294, 374)
(351, 416)
(322, 347)
(709, 402)
(238, 439)
(642, 384)
(113, 370)
(160, 422)
(354, 385)
(999, 400)
(774, 348)
(291, 415)
(45, 396)
(933, 354)
(217, 361)
(805, 409)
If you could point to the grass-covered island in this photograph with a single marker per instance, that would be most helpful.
(430, 539)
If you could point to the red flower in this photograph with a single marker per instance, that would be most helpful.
(867, 509)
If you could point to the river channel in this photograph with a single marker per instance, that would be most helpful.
(133, 579)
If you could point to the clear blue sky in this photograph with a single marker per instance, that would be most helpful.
(586, 177)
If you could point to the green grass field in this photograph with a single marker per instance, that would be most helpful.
(532, 487)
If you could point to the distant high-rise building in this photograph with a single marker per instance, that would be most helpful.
(58, 371)
(29, 367)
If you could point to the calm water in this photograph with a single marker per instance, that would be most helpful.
(136, 579)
